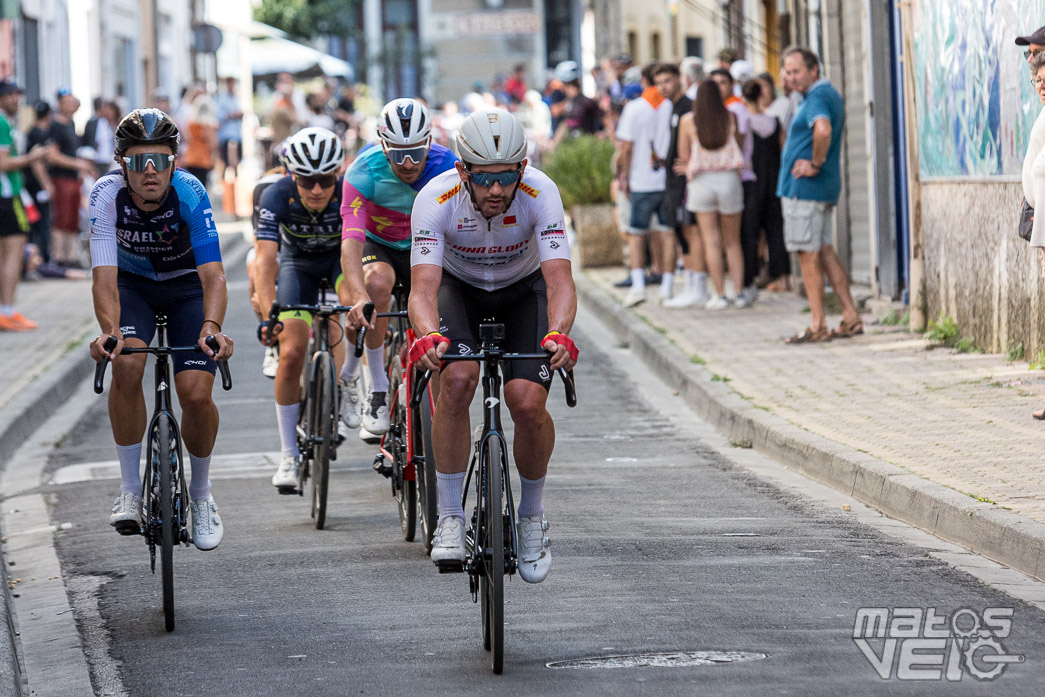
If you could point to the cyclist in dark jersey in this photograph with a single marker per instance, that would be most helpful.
(300, 219)
(154, 249)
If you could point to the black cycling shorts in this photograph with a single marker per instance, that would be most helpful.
(180, 298)
(299, 278)
(523, 309)
(398, 259)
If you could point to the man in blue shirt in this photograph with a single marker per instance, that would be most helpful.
(809, 185)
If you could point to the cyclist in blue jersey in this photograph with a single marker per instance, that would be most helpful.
(299, 218)
(154, 249)
(379, 193)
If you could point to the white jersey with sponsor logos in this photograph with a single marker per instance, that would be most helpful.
(488, 254)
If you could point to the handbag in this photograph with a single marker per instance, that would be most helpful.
(1026, 225)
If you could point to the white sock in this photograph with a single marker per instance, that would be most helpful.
(700, 282)
(375, 361)
(638, 279)
(287, 418)
(690, 281)
(450, 488)
(7, 311)
(130, 457)
(199, 487)
(350, 370)
(666, 281)
(530, 504)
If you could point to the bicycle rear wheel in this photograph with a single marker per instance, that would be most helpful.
(324, 405)
(164, 449)
(404, 490)
(492, 539)
(424, 469)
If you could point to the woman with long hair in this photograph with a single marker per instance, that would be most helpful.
(714, 192)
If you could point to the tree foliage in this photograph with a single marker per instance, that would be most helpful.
(308, 19)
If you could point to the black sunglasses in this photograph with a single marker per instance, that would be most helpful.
(487, 179)
(325, 181)
(137, 163)
(1029, 53)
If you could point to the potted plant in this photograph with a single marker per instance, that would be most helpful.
(581, 168)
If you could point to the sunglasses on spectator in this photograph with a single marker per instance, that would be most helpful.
(398, 156)
(325, 181)
(137, 163)
(487, 179)
(1036, 81)
(1030, 53)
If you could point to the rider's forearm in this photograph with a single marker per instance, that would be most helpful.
(106, 299)
(353, 286)
(424, 298)
(562, 295)
(215, 296)
(265, 269)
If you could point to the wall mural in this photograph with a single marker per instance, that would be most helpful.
(975, 102)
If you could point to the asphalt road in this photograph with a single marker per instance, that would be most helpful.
(662, 544)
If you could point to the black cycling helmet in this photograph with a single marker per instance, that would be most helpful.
(146, 127)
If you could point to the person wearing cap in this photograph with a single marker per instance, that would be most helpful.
(66, 170)
(1035, 44)
(581, 115)
(14, 225)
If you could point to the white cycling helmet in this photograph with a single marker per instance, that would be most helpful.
(404, 121)
(491, 137)
(313, 151)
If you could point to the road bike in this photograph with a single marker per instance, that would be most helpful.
(317, 435)
(406, 456)
(165, 497)
(491, 538)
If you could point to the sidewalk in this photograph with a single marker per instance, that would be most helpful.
(940, 439)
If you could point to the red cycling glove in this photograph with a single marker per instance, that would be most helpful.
(426, 342)
(562, 340)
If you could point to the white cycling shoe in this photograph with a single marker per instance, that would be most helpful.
(126, 514)
(448, 542)
(207, 530)
(535, 559)
(350, 403)
(286, 477)
(375, 414)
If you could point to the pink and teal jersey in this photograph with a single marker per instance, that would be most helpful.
(376, 203)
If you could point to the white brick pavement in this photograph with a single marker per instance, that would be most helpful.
(960, 420)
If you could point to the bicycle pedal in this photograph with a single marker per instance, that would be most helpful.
(128, 527)
(382, 467)
(450, 567)
(288, 490)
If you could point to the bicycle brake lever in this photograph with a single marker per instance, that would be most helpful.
(223, 365)
(99, 370)
(419, 389)
(570, 386)
(368, 312)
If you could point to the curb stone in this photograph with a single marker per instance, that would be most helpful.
(997, 534)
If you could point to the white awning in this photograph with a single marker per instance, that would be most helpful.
(272, 55)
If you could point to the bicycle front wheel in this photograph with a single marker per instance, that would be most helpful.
(491, 514)
(164, 449)
(424, 469)
(404, 490)
(324, 404)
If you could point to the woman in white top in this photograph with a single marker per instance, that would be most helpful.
(1034, 169)
(714, 192)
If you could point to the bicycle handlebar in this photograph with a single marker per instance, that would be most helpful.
(568, 382)
(110, 344)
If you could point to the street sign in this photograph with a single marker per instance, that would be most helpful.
(206, 38)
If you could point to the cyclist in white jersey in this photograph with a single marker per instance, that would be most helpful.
(489, 242)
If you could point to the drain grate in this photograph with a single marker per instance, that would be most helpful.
(677, 659)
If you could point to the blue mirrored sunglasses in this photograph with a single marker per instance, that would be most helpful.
(398, 156)
(487, 179)
(159, 160)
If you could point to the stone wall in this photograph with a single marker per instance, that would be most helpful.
(977, 270)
